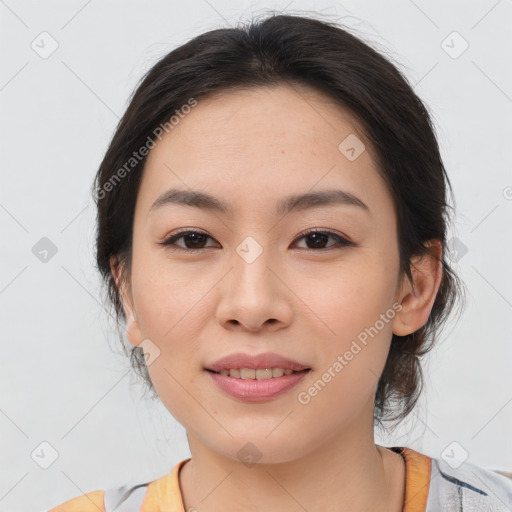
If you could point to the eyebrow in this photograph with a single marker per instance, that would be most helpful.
(296, 202)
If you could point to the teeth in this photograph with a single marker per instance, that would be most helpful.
(277, 372)
(256, 374)
(247, 373)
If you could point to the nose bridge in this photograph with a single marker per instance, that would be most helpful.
(251, 261)
(251, 295)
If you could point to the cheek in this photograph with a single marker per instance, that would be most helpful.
(349, 299)
(355, 309)
(171, 313)
(169, 298)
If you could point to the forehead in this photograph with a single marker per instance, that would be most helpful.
(252, 145)
(282, 117)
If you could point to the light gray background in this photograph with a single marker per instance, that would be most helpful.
(60, 380)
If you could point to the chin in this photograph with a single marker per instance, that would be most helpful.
(260, 449)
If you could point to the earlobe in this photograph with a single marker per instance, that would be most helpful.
(417, 297)
(133, 332)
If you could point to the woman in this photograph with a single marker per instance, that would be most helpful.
(272, 220)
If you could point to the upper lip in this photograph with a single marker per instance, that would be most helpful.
(265, 360)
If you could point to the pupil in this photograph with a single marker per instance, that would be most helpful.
(318, 238)
(199, 235)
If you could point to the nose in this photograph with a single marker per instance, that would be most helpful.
(254, 296)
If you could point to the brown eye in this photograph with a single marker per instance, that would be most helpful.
(193, 240)
(318, 239)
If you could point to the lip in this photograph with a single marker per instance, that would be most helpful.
(264, 360)
(253, 390)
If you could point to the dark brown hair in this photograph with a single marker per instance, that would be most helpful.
(282, 49)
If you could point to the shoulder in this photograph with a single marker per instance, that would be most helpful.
(163, 493)
(467, 487)
(122, 498)
(90, 502)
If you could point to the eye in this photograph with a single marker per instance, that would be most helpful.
(195, 240)
(319, 237)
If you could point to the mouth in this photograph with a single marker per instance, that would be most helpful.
(257, 384)
(265, 365)
(256, 377)
(257, 373)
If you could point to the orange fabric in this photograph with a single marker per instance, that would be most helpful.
(90, 502)
(164, 493)
(417, 479)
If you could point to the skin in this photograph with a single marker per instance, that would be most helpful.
(251, 148)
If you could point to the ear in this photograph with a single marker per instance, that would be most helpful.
(133, 331)
(417, 297)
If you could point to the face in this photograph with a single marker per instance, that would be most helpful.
(254, 279)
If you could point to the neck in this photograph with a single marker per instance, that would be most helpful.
(348, 472)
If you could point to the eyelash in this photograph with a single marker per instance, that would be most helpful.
(343, 242)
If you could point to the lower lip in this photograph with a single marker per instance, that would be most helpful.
(253, 390)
